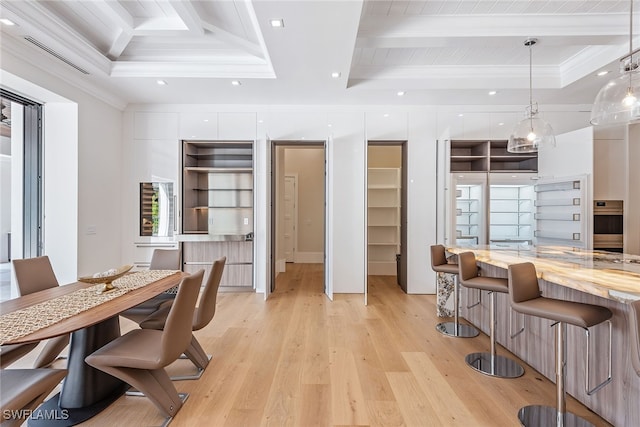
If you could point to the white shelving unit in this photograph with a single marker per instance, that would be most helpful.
(560, 213)
(383, 220)
(511, 215)
(469, 214)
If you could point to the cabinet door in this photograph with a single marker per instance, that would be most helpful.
(155, 160)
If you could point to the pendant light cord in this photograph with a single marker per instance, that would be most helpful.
(531, 76)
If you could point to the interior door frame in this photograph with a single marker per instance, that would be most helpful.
(403, 211)
(274, 144)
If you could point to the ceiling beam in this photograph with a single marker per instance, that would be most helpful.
(234, 40)
(189, 16)
(479, 26)
(121, 19)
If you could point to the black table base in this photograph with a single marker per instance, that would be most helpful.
(85, 391)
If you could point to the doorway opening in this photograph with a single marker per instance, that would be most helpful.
(21, 164)
(386, 213)
(298, 209)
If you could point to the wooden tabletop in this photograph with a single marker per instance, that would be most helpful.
(89, 317)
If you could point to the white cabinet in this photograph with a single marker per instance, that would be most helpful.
(155, 160)
(383, 220)
(198, 126)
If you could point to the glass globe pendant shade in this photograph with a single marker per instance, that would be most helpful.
(618, 102)
(529, 134)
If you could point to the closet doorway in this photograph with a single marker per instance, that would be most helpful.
(298, 210)
(386, 213)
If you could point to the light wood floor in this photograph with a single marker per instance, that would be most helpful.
(302, 360)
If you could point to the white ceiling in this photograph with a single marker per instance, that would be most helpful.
(439, 52)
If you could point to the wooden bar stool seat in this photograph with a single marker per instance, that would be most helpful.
(439, 265)
(490, 363)
(526, 298)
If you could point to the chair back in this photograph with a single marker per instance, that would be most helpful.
(165, 259)
(634, 336)
(34, 274)
(207, 306)
(438, 256)
(523, 282)
(467, 266)
(176, 335)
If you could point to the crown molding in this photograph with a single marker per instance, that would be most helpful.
(34, 57)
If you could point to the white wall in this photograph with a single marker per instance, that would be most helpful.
(86, 161)
(60, 189)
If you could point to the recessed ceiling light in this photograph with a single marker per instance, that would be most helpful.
(460, 115)
(330, 125)
(236, 82)
(161, 82)
(336, 74)
(492, 92)
(385, 115)
(501, 124)
(260, 121)
(206, 120)
(401, 93)
(6, 21)
(277, 23)
(602, 73)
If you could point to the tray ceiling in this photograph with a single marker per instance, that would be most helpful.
(438, 52)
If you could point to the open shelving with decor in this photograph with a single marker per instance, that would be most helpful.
(217, 208)
(383, 195)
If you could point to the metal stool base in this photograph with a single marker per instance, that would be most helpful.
(458, 330)
(547, 416)
(494, 366)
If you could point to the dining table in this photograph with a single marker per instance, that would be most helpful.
(92, 319)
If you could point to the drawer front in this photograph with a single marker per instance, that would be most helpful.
(142, 252)
(234, 276)
(236, 252)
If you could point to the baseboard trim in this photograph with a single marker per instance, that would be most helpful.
(309, 257)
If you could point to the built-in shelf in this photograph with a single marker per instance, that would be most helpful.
(383, 221)
(560, 213)
(489, 156)
(574, 201)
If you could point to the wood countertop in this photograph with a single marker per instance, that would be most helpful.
(604, 274)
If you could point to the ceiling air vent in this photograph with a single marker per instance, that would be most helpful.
(54, 53)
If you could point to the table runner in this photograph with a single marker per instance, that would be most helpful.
(30, 319)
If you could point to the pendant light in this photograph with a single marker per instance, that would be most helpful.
(618, 102)
(530, 132)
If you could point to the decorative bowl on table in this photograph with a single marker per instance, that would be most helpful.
(106, 277)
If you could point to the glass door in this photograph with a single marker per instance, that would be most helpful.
(469, 209)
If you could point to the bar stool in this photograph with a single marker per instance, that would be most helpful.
(439, 265)
(634, 337)
(487, 363)
(526, 298)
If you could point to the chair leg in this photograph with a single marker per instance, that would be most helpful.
(198, 357)
(491, 363)
(155, 385)
(455, 328)
(51, 351)
(545, 416)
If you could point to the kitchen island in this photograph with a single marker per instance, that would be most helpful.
(603, 278)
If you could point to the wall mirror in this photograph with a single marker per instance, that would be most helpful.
(157, 209)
